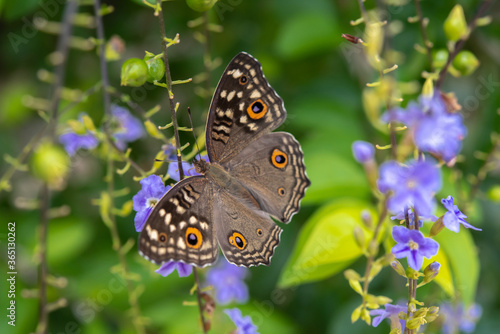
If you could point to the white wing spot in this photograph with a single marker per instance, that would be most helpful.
(180, 210)
(236, 74)
(239, 94)
(162, 250)
(192, 220)
(253, 127)
(255, 94)
(252, 72)
(182, 225)
(154, 235)
(242, 106)
(231, 95)
(229, 113)
(204, 225)
(180, 243)
(168, 218)
(243, 119)
(162, 212)
(223, 94)
(154, 249)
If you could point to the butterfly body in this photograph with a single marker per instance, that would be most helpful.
(252, 174)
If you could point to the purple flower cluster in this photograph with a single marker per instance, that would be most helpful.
(434, 129)
(228, 282)
(391, 312)
(244, 324)
(167, 268)
(458, 318)
(152, 190)
(126, 128)
(412, 185)
(454, 217)
(72, 141)
(413, 245)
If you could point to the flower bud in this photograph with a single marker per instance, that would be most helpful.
(494, 194)
(432, 314)
(356, 313)
(156, 67)
(465, 62)
(455, 26)
(359, 237)
(439, 58)
(436, 227)
(412, 274)
(50, 163)
(398, 267)
(201, 5)
(134, 72)
(363, 151)
(350, 274)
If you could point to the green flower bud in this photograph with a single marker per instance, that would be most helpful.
(134, 72)
(455, 26)
(50, 163)
(156, 67)
(201, 5)
(494, 193)
(465, 62)
(439, 58)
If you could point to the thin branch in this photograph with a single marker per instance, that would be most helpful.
(427, 43)
(207, 61)
(117, 245)
(460, 43)
(169, 86)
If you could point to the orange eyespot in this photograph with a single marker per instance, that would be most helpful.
(281, 191)
(279, 159)
(193, 238)
(257, 109)
(237, 240)
(259, 232)
(243, 80)
(162, 237)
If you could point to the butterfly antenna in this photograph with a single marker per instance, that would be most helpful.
(194, 135)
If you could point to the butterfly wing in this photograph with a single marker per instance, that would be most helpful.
(246, 235)
(243, 108)
(272, 169)
(180, 226)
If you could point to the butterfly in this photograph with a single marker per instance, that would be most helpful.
(253, 174)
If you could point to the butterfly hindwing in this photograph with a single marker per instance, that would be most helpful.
(246, 235)
(180, 227)
(272, 169)
(243, 108)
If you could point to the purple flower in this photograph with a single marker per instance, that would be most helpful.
(73, 142)
(189, 170)
(413, 245)
(413, 186)
(128, 128)
(244, 324)
(411, 217)
(144, 201)
(434, 129)
(167, 268)
(454, 217)
(391, 312)
(363, 151)
(227, 280)
(457, 318)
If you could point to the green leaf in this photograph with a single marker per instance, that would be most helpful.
(464, 261)
(326, 243)
(68, 237)
(307, 34)
(333, 176)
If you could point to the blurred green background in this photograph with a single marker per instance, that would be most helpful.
(320, 77)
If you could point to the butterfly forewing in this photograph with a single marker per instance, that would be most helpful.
(243, 108)
(180, 227)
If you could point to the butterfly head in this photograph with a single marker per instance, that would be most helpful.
(200, 166)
